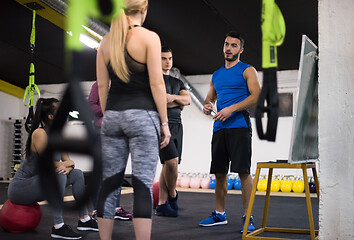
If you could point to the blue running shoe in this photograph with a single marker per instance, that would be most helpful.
(251, 227)
(214, 219)
(166, 210)
(173, 201)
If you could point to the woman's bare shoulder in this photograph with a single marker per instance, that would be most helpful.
(147, 34)
(105, 41)
(39, 140)
(104, 48)
(106, 37)
(39, 133)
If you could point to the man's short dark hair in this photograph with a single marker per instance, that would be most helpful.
(166, 49)
(237, 35)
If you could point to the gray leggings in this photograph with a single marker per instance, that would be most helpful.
(28, 190)
(136, 132)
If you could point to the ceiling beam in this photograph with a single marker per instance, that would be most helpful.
(45, 11)
(11, 89)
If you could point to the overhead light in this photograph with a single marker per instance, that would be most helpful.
(88, 41)
(92, 32)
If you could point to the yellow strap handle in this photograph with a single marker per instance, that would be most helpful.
(31, 85)
(273, 33)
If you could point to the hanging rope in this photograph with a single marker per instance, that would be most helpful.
(31, 85)
(273, 34)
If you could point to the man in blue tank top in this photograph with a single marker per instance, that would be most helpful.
(235, 88)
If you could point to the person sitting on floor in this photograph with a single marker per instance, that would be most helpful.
(25, 187)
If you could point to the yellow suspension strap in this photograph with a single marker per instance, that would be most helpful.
(77, 14)
(273, 34)
(80, 10)
(31, 85)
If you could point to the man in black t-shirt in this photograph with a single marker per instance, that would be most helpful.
(170, 156)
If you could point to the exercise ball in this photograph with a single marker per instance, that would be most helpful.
(155, 192)
(20, 218)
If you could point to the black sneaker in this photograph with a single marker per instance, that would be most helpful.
(94, 215)
(121, 214)
(65, 232)
(173, 201)
(166, 210)
(90, 225)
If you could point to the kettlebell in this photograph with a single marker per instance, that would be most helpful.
(212, 182)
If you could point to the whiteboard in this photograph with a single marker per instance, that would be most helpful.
(304, 137)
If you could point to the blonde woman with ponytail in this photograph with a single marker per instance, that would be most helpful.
(135, 114)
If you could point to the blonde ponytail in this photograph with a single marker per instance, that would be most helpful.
(119, 30)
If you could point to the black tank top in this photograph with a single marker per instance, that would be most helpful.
(136, 94)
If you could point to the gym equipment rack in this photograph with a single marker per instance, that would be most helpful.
(17, 155)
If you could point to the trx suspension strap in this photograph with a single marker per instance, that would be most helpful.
(77, 13)
(31, 85)
(273, 33)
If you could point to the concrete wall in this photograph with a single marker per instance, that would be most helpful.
(10, 106)
(336, 118)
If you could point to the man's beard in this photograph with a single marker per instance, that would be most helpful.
(234, 57)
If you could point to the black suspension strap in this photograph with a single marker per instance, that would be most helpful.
(73, 98)
(31, 85)
(269, 94)
(77, 13)
(273, 34)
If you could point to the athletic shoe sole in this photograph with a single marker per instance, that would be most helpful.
(165, 215)
(213, 224)
(86, 229)
(248, 231)
(62, 237)
(122, 218)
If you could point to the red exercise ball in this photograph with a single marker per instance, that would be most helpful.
(20, 218)
(155, 192)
